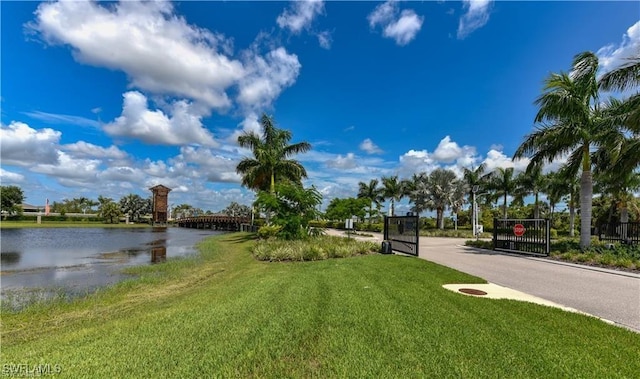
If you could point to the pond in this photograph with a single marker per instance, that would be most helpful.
(38, 263)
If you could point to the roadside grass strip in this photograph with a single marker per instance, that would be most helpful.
(226, 314)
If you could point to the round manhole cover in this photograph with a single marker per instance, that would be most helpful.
(472, 291)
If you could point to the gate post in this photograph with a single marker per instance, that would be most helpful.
(548, 235)
(495, 233)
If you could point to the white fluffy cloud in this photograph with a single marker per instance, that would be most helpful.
(158, 50)
(497, 159)
(82, 149)
(182, 126)
(164, 55)
(10, 177)
(613, 56)
(371, 148)
(415, 161)
(300, 15)
(203, 163)
(346, 162)
(23, 145)
(266, 78)
(399, 26)
(66, 167)
(476, 17)
(447, 152)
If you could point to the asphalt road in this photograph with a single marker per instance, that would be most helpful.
(608, 294)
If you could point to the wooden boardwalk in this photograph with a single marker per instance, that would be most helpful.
(215, 222)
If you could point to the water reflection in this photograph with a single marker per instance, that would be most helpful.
(159, 254)
(79, 260)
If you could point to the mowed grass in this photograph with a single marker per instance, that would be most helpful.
(225, 314)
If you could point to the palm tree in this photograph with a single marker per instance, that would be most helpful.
(371, 192)
(418, 191)
(442, 186)
(271, 161)
(393, 189)
(134, 206)
(504, 183)
(531, 182)
(457, 199)
(555, 188)
(573, 122)
(472, 178)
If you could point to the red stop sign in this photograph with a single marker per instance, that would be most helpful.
(518, 230)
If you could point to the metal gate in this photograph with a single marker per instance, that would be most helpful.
(402, 233)
(625, 232)
(528, 236)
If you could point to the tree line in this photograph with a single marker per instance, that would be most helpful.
(132, 205)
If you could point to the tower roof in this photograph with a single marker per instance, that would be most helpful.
(160, 186)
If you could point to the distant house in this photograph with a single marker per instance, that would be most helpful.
(31, 208)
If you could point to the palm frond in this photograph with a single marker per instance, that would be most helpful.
(624, 77)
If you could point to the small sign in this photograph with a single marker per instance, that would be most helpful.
(518, 230)
(348, 224)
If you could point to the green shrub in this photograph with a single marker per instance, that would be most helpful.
(311, 249)
(269, 231)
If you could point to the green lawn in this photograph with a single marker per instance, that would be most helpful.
(226, 314)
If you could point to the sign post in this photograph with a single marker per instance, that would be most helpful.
(348, 224)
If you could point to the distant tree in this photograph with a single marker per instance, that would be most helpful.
(530, 182)
(237, 210)
(271, 162)
(12, 198)
(418, 191)
(443, 187)
(503, 182)
(135, 206)
(110, 211)
(393, 190)
(474, 178)
(342, 209)
(372, 193)
(182, 210)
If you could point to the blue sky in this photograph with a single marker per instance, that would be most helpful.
(113, 98)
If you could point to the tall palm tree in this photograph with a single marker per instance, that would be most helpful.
(393, 190)
(503, 182)
(271, 161)
(371, 192)
(472, 178)
(573, 122)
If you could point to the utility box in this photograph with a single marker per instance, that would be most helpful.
(386, 247)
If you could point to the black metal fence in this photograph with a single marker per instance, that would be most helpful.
(402, 233)
(249, 228)
(528, 236)
(625, 232)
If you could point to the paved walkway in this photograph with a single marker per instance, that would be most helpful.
(608, 294)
